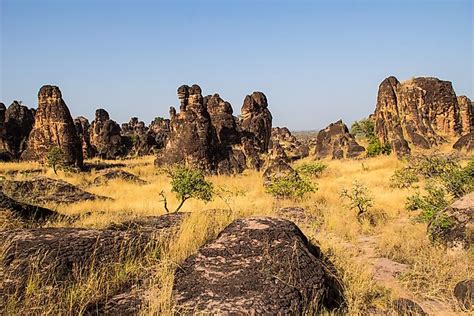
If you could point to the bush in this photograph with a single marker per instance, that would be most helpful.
(429, 204)
(186, 184)
(290, 186)
(376, 148)
(363, 128)
(359, 198)
(313, 169)
(433, 165)
(55, 158)
(404, 178)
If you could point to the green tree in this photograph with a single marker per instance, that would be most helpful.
(289, 186)
(188, 183)
(363, 128)
(55, 158)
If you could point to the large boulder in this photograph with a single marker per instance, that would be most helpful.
(25, 212)
(105, 136)
(53, 127)
(277, 169)
(454, 226)
(466, 113)
(83, 132)
(19, 121)
(465, 143)
(464, 293)
(292, 147)
(420, 112)
(336, 142)
(257, 265)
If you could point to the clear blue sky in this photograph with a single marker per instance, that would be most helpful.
(317, 61)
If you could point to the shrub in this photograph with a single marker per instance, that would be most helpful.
(290, 186)
(404, 178)
(376, 148)
(313, 169)
(359, 198)
(433, 165)
(55, 158)
(429, 204)
(363, 128)
(186, 184)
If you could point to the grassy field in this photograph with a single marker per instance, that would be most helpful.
(354, 246)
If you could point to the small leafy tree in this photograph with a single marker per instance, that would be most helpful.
(311, 170)
(289, 186)
(188, 183)
(363, 128)
(429, 204)
(55, 158)
(359, 198)
(376, 148)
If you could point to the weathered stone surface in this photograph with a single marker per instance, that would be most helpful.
(25, 211)
(465, 143)
(44, 190)
(336, 142)
(142, 140)
(53, 126)
(83, 132)
(205, 135)
(257, 265)
(152, 225)
(407, 307)
(118, 174)
(105, 136)
(160, 129)
(466, 112)
(19, 121)
(4, 153)
(420, 112)
(464, 293)
(292, 147)
(454, 226)
(256, 119)
(276, 170)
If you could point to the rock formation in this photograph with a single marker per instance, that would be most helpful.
(257, 265)
(464, 293)
(336, 142)
(466, 113)
(454, 226)
(465, 143)
(142, 140)
(19, 121)
(25, 212)
(160, 129)
(420, 112)
(53, 126)
(277, 169)
(117, 175)
(293, 148)
(105, 136)
(4, 153)
(206, 135)
(82, 129)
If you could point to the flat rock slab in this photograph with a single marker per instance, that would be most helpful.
(118, 175)
(44, 190)
(152, 224)
(26, 212)
(257, 265)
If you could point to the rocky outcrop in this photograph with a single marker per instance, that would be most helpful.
(466, 113)
(25, 212)
(118, 175)
(277, 169)
(292, 147)
(336, 142)
(142, 140)
(465, 143)
(205, 134)
(105, 137)
(257, 265)
(83, 132)
(53, 127)
(4, 153)
(407, 307)
(454, 226)
(420, 112)
(160, 129)
(464, 293)
(43, 190)
(18, 123)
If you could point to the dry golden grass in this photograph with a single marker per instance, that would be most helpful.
(336, 229)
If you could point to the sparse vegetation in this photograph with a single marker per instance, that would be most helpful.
(311, 170)
(359, 198)
(290, 186)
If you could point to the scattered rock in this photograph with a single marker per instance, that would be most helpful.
(420, 112)
(43, 190)
(118, 174)
(276, 170)
(291, 146)
(336, 142)
(454, 226)
(82, 129)
(26, 212)
(298, 214)
(105, 136)
(152, 225)
(407, 307)
(465, 143)
(53, 126)
(464, 293)
(257, 265)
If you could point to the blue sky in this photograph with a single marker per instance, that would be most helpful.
(317, 61)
